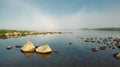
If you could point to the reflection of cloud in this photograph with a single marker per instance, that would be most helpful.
(43, 55)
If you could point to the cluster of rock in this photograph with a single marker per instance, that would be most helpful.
(12, 34)
(19, 33)
(29, 47)
(108, 42)
(29, 33)
(22, 33)
(50, 32)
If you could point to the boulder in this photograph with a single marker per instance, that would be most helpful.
(117, 55)
(7, 34)
(8, 47)
(15, 33)
(44, 49)
(95, 49)
(28, 47)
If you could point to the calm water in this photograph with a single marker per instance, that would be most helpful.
(78, 54)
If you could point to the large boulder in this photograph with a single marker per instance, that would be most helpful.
(44, 49)
(28, 47)
(7, 34)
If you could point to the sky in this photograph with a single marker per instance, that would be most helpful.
(59, 14)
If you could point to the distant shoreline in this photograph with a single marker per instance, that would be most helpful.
(103, 29)
(24, 32)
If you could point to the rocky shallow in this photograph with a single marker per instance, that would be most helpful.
(108, 42)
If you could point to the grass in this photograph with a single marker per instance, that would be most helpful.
(3, 31)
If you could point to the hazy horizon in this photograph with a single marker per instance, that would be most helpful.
(59, 14)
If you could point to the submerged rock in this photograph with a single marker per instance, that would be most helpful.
(8, 47)
(44, 49)
(118, 46)
(93, 41)
(18, 46)
(56, 51)
(28, 47)
(86, 40)
(70, 42)
(113, 47)
(117, 55)
(103, 48)
(82, 38)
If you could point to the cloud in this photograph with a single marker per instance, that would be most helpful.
(30, 17)
(86, 19)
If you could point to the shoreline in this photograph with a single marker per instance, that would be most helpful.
(18, 33)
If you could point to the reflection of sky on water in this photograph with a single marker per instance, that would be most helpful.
(79, 53)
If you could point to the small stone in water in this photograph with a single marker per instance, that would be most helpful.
(117, 55)
(8, 47)
(95, 49)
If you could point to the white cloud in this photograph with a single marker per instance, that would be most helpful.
(36, 18)
(85, 19)
(31, 16)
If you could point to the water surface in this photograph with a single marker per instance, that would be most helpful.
(77, 54)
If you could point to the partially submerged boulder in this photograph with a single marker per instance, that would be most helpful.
(18, 46)
(95, 49)
(8, 47)
(43, 49)
(70, 42)
(117, 55)
(28, 47)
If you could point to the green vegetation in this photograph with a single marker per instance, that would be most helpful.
(11, 31)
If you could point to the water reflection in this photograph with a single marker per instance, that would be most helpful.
(44, 55)
(28, 55)
(6, 37)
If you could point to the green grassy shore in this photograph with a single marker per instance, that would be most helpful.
(3, 31)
